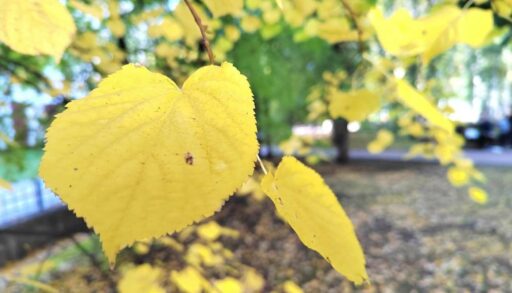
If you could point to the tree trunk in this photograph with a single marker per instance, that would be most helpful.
(341, 140)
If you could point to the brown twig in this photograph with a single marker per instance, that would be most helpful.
(5, 66)
(359, 29)
(202, 28)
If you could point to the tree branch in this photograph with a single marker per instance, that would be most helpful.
(202, 28)
(359, 29)
(5, 64)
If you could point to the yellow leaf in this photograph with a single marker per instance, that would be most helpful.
(36, 27)
(336, 30)
(412, 99)
(477, 175)
(224, 7)
(280, 4)
(304, 7)
(148, 15)
(252, 187)
(141, 248)
(166, 50)
(209, 231)
(189, 280)
(478, 195)
(253, 281)
(414, 129)
(141, 279)
(269, 31)
(140, 157)
(232, 33)
(223, 44)
(383, 140)
(433, 34)
(385, 136)
(291, 287)
(316, 109)
(171, 243)
(450, 25)
(171, 29)
(117, 27)
(229, 285)
(400, 34)
(294, 145)
(329, 8)
(113, 8)
(420, 149)
(354, 105)
(474, 26)
(503, 8)
(250, 23)
(272, 16)
(254, 4)
(312, 210)
(458, 176)
(446, 153)
(199, 254)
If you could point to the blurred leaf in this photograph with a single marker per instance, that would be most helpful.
(36, 27)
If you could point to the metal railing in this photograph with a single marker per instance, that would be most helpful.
(26, 199)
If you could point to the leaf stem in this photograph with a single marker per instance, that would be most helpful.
(202, 28)
(261, 165)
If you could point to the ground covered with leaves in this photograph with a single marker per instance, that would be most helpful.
(418, 233)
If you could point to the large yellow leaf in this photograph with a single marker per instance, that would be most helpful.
(399, 34)
(224, 7)
(445, 26)
(140, 157)
(312, 210)
(355, 105)
(411, 98)
(36, 27)
(450, 25)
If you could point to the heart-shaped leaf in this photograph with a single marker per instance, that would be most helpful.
(139, 157)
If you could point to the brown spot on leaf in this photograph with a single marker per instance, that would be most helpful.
(189, 159)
